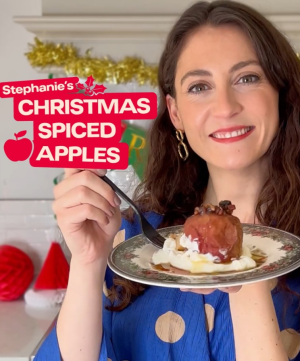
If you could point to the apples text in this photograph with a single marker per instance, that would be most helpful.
(104, 155)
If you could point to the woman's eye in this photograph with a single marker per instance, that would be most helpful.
(248, 79)
(198, 88)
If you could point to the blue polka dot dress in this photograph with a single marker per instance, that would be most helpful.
(166, 324)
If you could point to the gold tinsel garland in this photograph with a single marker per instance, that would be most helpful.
(104, 70)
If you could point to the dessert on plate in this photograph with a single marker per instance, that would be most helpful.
(211, 242)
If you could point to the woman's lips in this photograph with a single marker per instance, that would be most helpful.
(230, 135)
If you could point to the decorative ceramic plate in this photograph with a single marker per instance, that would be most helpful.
(278, 252)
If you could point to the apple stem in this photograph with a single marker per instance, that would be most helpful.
(16, 136)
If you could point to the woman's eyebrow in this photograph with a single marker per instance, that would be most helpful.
(202, 72)
(243, 64)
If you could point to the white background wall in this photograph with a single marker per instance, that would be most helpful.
(153, 7)
(20, 180)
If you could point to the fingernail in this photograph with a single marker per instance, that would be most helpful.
(184, 289)
(100, 172)
(117, 200)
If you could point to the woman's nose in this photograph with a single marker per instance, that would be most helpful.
(225, 104)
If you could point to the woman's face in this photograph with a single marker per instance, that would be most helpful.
(224, 102)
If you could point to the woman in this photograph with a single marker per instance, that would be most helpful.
(230, 92)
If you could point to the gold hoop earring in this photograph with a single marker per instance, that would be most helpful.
(180, 137)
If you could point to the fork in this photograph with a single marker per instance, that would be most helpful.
(149, 232)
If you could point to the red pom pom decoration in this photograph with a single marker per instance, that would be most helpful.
(16, 273)
(54, 274)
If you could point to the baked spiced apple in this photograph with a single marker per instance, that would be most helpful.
(211, 242)
(216, 231)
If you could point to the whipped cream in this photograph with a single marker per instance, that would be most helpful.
(193, 261)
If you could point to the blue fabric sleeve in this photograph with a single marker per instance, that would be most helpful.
(49, 350)
(131, 229)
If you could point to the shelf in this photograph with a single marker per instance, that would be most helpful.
(131, 28)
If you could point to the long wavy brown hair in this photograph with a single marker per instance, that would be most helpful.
(169, 184)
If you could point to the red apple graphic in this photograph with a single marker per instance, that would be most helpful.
(19, 149)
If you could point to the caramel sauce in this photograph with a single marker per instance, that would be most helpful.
(174, 270)
(178, 271)
(171, 269)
